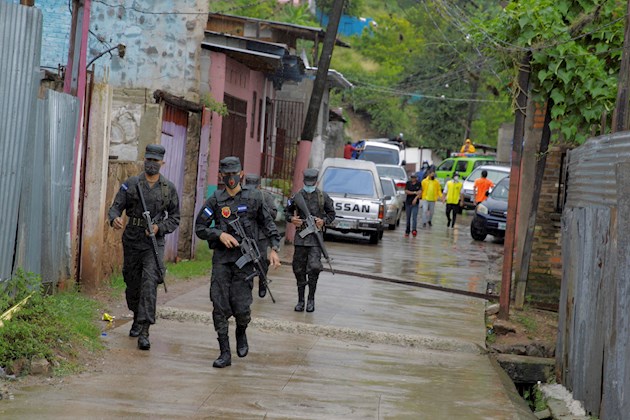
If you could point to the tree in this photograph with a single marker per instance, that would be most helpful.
(576, 49)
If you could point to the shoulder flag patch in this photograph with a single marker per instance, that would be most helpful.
(289, 202)
(207, 211)
(124, 187)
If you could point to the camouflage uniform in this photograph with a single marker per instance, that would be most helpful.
(307, 255)
(253, 182)
(139, 267)
(231, 287)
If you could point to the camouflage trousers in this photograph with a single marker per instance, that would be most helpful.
(140, 273)
(231, 295)
(307, 264)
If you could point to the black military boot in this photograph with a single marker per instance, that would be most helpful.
(241, 342)
(300, 305)
(310, 302)
(262, 289)
(143, 338)
(135, 327)
(225, 358)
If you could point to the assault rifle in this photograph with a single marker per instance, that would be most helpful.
(311, 227)
(251, 253)
(147, 218)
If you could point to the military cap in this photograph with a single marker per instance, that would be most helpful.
(154, 151)
(310, 176)
(230, 164)
(251, 181)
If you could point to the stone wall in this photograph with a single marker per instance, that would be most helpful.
(162, 42)
(545, 272)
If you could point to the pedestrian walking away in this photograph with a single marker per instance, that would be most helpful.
(253, 181)
(481, 187)
(307, 255)
(230, 285)
(141, 271)
(454, 199)
(413, 190)
(431, 192)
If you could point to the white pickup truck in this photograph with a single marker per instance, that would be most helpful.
(355, 188)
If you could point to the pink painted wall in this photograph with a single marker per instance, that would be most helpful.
(230, 77)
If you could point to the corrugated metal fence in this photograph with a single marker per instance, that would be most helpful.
(36, 152)
(592, 354)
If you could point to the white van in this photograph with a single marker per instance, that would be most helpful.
(381, 153)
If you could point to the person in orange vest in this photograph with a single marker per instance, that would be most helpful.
(481, 187)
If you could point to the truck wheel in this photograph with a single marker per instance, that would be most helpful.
(374, 238)
(380, 234)
(392, 226)
(477, 235)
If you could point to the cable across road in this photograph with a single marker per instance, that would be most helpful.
(487, 296)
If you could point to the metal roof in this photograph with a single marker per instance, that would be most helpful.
(267, 63)
(305, 32)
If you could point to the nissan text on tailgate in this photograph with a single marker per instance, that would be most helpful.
(355, 188)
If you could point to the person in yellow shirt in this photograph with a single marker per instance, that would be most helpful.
(454, 199)
(431, 192)
(467, 147)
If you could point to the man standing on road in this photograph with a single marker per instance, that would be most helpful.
(431, 192)
(253, 181)
(481, 187)
(413, 189)
(140, 272)
(454, 199)
(307, 255)
(231, 286)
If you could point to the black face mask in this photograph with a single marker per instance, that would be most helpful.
(231, 181)
(151, 167)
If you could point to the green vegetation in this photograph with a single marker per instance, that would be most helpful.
(199, 267)
(59, 327)
(576, 49)
(54, 327)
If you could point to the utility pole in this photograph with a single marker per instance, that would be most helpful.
(310, 123)
(515, 179)
(621, 117)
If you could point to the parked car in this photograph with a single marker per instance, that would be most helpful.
(393, 206)
(357, 193)
(491, 215)
(381, 153)
(464, 163)
(495, 174)
(395, 172)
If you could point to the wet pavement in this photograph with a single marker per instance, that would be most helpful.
(371, 349)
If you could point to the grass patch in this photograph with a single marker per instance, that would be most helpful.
(188, 269)
(530, 324)
(56, 327)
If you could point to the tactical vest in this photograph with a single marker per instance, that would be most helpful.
(166, 194)
(251, 199)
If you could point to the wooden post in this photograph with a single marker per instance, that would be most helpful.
(515, 175)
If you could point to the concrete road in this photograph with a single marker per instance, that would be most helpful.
(371, 349)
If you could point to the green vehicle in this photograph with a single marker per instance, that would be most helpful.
(464, 163)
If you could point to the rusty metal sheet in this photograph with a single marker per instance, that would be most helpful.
(20, 47)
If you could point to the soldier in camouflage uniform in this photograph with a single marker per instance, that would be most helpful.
(253, 181)
(307, 255)
(140, 271)
(230, 286)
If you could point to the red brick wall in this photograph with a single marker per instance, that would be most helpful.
(545, 272)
